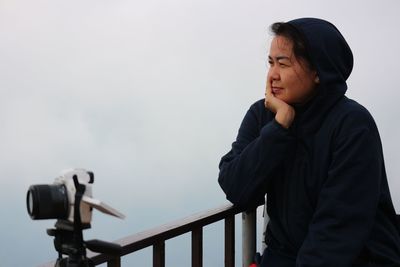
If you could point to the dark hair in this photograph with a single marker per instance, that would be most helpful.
(296, 37)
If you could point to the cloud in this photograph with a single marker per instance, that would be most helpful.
(150, 94)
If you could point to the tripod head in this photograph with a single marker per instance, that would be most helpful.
(66, 243)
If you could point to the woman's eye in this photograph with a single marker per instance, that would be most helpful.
(270, 63)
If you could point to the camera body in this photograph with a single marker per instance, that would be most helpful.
(56, 201)
(84, 177)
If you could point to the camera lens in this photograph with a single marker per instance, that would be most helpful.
(47, 202)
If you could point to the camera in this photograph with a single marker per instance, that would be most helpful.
(57, 200)
(69, 200)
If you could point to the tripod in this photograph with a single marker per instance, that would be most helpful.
(68, 238)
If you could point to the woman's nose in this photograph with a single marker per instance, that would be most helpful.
(273, 73)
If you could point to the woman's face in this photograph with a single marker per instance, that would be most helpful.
(290, 79)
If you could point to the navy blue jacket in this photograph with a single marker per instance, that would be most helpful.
(328, 198)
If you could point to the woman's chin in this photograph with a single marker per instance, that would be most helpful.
(283, 98)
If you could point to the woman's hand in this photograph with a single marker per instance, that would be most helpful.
(284, 113)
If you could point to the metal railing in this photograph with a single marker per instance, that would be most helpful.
(156, 238)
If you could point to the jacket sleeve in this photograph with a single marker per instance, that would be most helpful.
(349, 197)
(245, 170)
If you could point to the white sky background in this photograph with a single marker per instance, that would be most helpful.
(149, 95)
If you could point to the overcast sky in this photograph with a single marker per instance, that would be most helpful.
(149, 95)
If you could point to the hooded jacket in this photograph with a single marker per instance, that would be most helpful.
(328, 197)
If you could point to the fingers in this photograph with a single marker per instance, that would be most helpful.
(269, 103)
(268, 88)
(269, 98)
(266, 93)
(284, 113)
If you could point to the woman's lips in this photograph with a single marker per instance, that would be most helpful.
(276, 90)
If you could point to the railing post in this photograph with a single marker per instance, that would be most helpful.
(115, 262)
(197, 247)
(265, 224)
(230, 241)
(159, 254)
(248, 237)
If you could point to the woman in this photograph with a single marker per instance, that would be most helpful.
(317, 155)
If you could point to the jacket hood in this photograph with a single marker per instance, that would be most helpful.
(332, 57)
(329, 51)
